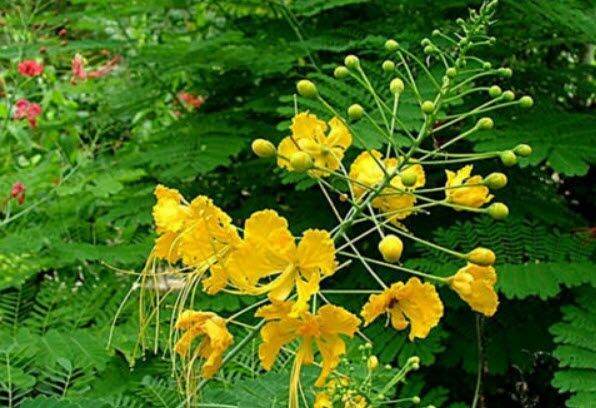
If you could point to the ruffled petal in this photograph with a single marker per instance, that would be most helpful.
(286, 148)
(316, 252)
(421, 304)
(480, 293)
(307, 125)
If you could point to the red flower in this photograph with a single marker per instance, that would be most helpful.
(191, 100)
(78, 68)
(25, 109)
(18, 192)
(30, 68)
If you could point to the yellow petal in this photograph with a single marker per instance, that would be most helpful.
(167, 246)
(316, 252)
(275, 335)
(305, 290)
(286, 148)
(322, 400)
(376, 306)
(275, 310)
(366, 171)
(307, 125)
(421, 304)
(168, 213)
(332, 347)
(339, 135)
(337, 320)
(189, 318)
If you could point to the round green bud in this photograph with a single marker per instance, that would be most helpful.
(306, 88)
(429, 49)
(428, 107)
(505, 72)
(481, 256)
(495, 181)
(415, 366)
(391, 45)
(352, 61)
(341, 72)
(396, 86)
(508, 158)
(436, 32)
(508, 96)
(492, 40)
(460, 21)
(425, 42)
(301, 162)
(388, 66)
(485, 123)
(495, 91)
(414, 360)
(263, 148)
(523, 150)
(355, 112)
(416, 400)
(498, 211)
(451, 72)
(487, 65)
(409, 178)
(526, 102)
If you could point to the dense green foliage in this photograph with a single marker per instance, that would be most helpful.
(101, 145)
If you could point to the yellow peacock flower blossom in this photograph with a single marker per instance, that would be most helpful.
(215, 338)
(413, 301)
(475, 195)
(308, 135)
(323, 329)
(269, 253)
(475, 285)
(323, 400)
(396, 200)
(199, 233)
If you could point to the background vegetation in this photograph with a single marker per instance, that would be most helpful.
(101, 145)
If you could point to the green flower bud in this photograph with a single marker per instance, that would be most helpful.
(428, 107)
(436, 32)
(409, 177)
(526, 102)
(355, 112)
(352, 61)
(306, 88)
(416, 400)
(429, 49)
(498, 211)
(414, 360)
(415, 366)
(495, 181)
(495, 91)
(487, 65)
(508, 158)
(263, 148)
(341, 72)
(425, 42)
(508, 96)
(460, 21)
(391, 45)
(485, 123)
(301, 162)
(492, 40)
(451, 72)
(396, 86)
(505, 72)
(464, 42)
(388, 66)
(481, 256)
(523, 150)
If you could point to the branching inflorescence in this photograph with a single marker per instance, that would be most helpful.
(383, 187)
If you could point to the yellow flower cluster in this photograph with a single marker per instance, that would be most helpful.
(265, 259)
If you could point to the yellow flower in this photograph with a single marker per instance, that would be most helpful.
(215, 338)
(308, 135)
(415, 301)
(475, 285)
(396, 200)
(323, 329)
(476, 195)
(322, 400)
(199, 233)
(269, 261)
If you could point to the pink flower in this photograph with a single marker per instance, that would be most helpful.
(78, 68)
(18, 192)
(191, 100)
(30, 68)
(25, 109)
